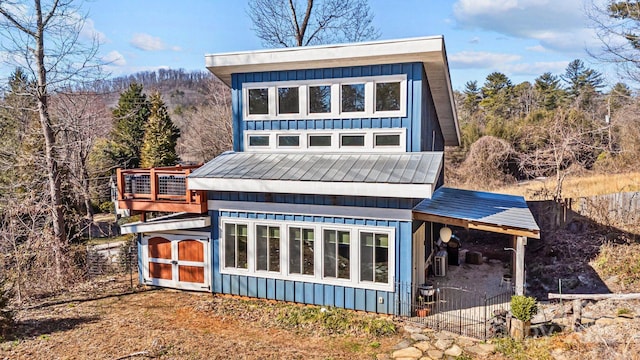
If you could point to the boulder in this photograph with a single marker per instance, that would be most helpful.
(410, 353)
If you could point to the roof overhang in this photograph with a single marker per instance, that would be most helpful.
(179, 221)
(430, 51)
(498, 213)
(312, 187)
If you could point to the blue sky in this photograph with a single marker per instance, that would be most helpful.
(521, 38)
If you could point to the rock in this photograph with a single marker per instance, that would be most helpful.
(558, 354)
(626, 315)
(482, 350)
(412, 329)
(587, 322)
(454, 351)
(423, 346)
(428, 331)
(445, 335)
(605, 321)
(466, 341)
(443, 344)
(435, 354)
(419, 337)
(402, 345)
(410, 352)
(622, 320)
(383, 357)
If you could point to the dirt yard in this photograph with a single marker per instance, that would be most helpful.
(104, 322)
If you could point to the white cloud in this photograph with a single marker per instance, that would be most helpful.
(480, 60)
(537, 48)
(557, 25)
(89, 32)
(506, 63)
(474, 40)
(147, 42)
(114, 58)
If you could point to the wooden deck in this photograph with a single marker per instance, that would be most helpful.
(163, 189)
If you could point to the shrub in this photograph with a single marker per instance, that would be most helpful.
(523, 307)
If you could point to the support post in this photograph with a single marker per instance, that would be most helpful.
(521, 241)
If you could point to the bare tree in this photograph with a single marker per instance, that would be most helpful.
(289, 23)
(617, 25)
(206, 130)
(570, 141)
(44, 37)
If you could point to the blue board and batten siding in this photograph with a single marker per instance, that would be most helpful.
(310, 292)
(415, 80)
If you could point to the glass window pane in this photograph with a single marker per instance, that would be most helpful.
(366, 256)
(329, 240)
(289, 140)
(259, 101)
(319, 99)
(387, 140)
(258, 140)
(307, 236)
(242, 247)
(294, 251)
(229, 245)
(353, 98)
(274, 249)
(344, 255)
(288, 102)
(319, 140)
(382, 258)
(352, 140)
(388, 96)
(261, 247)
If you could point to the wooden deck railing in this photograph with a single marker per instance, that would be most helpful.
(159, 189)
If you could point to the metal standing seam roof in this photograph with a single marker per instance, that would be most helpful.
(492, 209)
(390, 168)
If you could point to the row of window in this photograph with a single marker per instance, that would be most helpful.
(321, 140)
(378, 96)
(332, 254)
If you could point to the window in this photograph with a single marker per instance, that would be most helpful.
(388, 96)
(267, 248)
(319, 140)
(289, 140)
(301, 251)
(259, 101)
(288, 100)
(319, 99)
(352, 140)
(235, 246)
(353, 98)
(337, 98)
(314, 252)
(387, 140)
(259, 140)
(337, 254)
(374, 257)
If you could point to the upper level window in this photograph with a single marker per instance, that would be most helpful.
(387, 96)
(259, 101)
(342, 98)
(352, 140)
(288, 140)
(258, 140)
(387, 140)
(319, 140)
(352, 98)
(319, 99)
(288, 100)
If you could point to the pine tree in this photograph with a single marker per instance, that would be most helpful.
(130, 119)
(160, 137)
(548, 90)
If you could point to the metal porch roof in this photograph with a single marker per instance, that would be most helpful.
(487, 211)
(396, 175)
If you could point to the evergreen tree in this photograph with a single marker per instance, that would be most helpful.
(497, 96)
(581, 80)
(548, 91)
(160, 137)
(130, 119)
(472, 97)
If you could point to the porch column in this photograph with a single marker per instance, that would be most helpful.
(521, 241)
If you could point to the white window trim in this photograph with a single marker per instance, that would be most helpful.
(318, 261)
(336, 146)
(336, 100)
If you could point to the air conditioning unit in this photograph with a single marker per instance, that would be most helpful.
(440, 263)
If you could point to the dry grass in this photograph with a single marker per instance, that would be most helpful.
(577, 186)
(621, 261)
